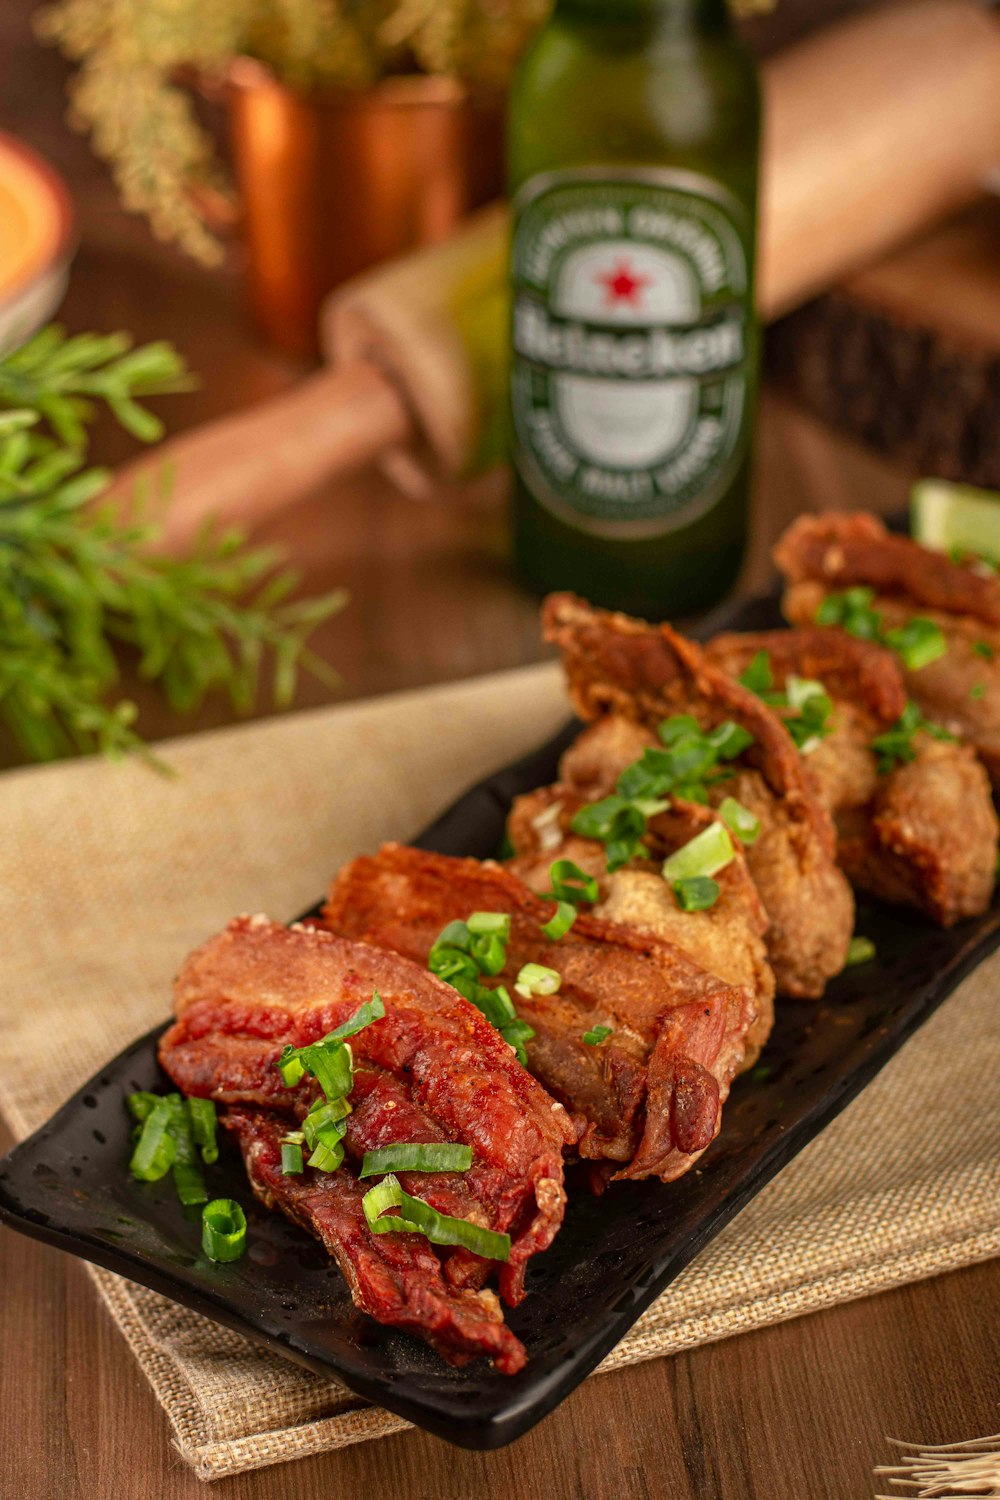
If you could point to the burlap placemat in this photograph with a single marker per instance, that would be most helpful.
(112, 874)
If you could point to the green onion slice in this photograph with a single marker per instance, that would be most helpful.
(536, 979)
(155, 1149)
(571, 884)
(493, 922)
(419, 1218)
(326, 1124)
(758, 676)
(983, 649)
(596, 1035)
(558, 926)
(327, 1158)
(739, 820)
(329, 1060)
(291, 1158)
(860, 950)
(696, 892)
(188, 1179)
(705, 854)
(203, 1122)
(223, 1230)
(918, 643)
(431, 1156)
(141, 1105)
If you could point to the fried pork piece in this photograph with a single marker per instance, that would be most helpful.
(395, 1278)
(431, 1069)
(923, 834)
(650, 1094)
(624, 668)
(726, 940)
(961, 690)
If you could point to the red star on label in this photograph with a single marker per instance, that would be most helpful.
(622, 285)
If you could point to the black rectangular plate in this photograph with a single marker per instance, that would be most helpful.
(68, 1184)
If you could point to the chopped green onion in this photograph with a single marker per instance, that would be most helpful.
(983, 649)
(729, 740)
(696, 892)
(739, 820)
(371, 1010)
(536, 979)
(289, 1065)
(860, 950)
(918, 643)
(141, 1105)
(385, 1195)
(332, 1066)
(418, 1217)
(678, 727)
(156, 1149)
(798, 690)
(558, 926)
(758, 676)
(896, 745)
(481, 922)
(977, 690)
(571, 884)
(223, 1230)
(329, 1060)
(515, 1033)
(188, 1179)
(326, 1124)
(705, 854)
(852, 611)
(596, 1035)
(495, 1004)
(327, 1158)
(203, 1122)
(291, 1158)
(432, 1156)
(454, 935)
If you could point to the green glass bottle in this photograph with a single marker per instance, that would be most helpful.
(633, 153)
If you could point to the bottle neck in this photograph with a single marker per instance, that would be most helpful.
(651, 17)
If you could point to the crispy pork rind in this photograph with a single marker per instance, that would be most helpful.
(619, 666)
(258, 986)
(650, 1095)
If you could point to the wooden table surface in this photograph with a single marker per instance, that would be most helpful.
(797, 1412)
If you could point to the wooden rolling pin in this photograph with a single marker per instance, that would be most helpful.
(877, 127)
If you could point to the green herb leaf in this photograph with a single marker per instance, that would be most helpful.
(918, 643)
(77, 583)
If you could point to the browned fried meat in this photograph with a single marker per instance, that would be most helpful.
(431, 1069)
(651, 1093)
(826, 554)
(396, 1278)
(922, 834)
(726, 940)
(622, 667)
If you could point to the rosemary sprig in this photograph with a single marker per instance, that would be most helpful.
(76, 582)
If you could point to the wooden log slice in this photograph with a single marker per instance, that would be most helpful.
(905, 355)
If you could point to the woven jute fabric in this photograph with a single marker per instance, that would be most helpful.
(112, 873)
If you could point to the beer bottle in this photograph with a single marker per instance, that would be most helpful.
(633, 153)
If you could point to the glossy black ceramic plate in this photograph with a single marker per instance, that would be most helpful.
(68, 1184)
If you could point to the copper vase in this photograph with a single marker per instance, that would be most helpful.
(332, 182)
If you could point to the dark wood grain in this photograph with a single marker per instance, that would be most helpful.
(802, 1410)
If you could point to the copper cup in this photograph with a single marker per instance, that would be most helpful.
(332, 182)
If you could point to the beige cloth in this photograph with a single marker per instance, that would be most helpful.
(112, 874)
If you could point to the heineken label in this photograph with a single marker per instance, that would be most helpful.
(632, 345)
